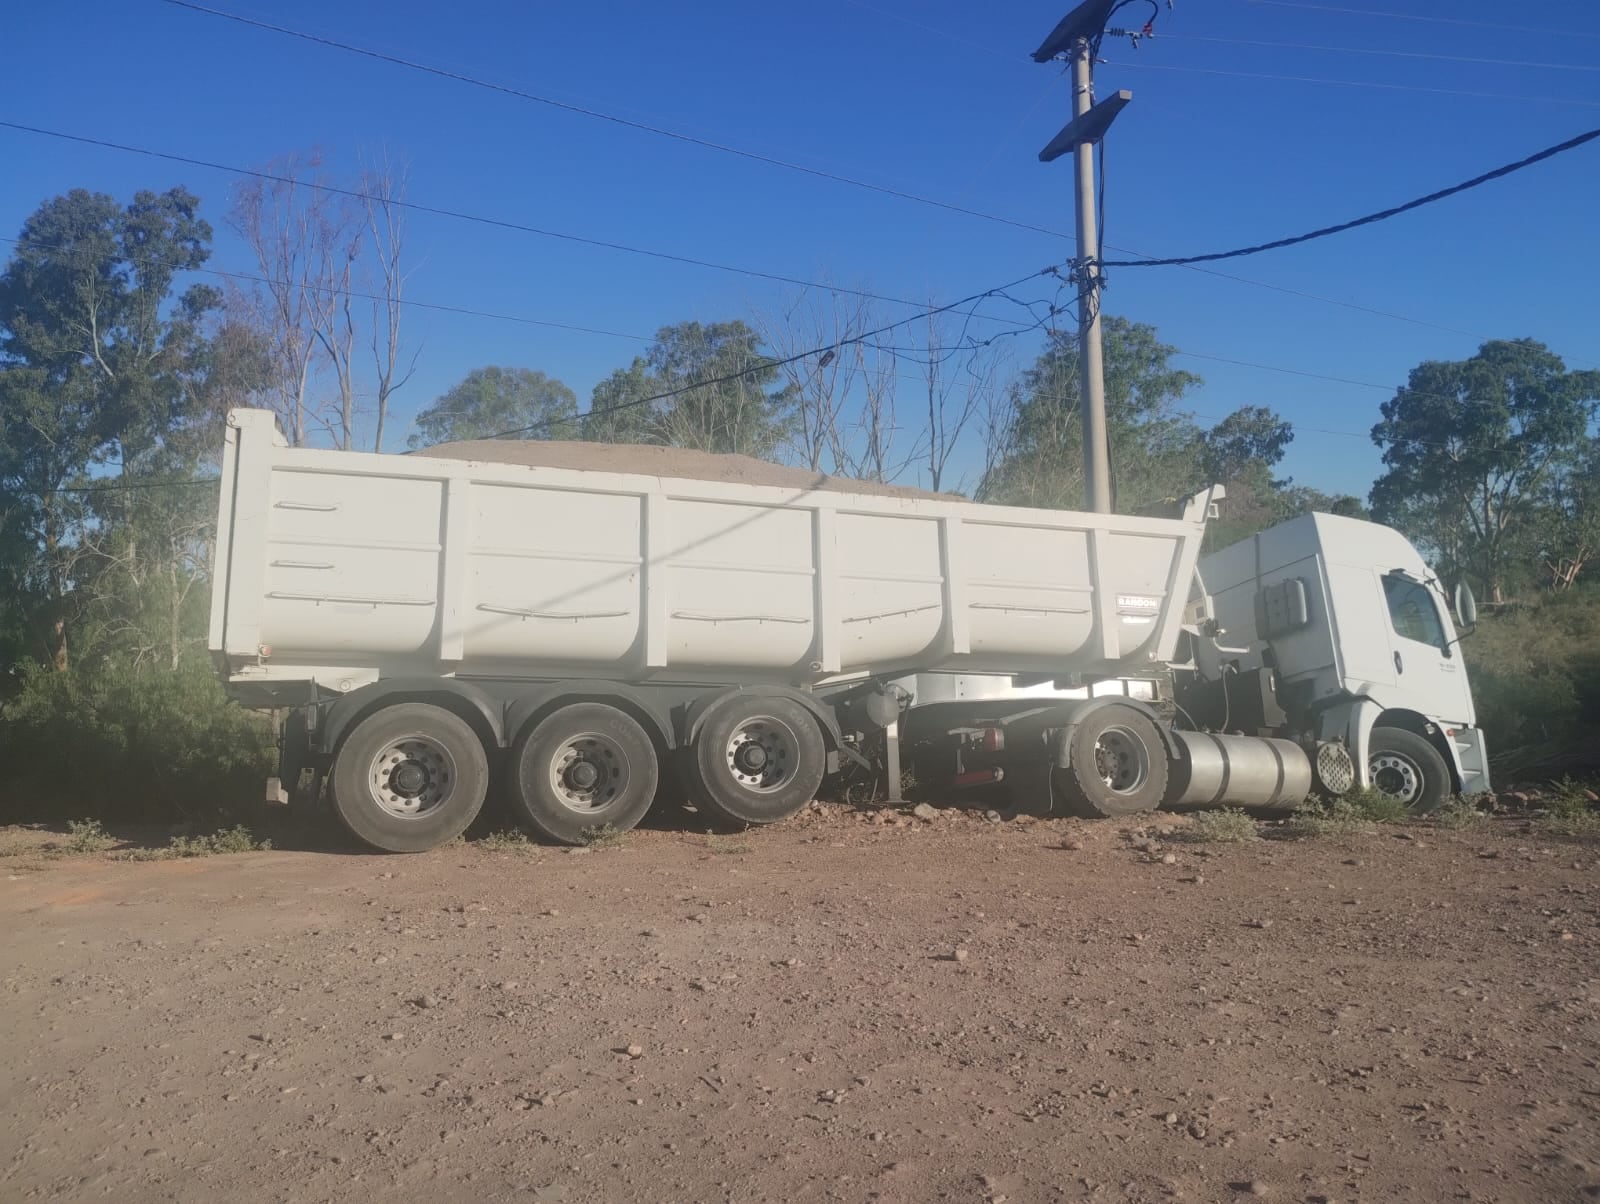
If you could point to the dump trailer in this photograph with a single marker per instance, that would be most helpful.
(427, 626)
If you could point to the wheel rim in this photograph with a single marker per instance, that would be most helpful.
(412, 776)
(1121, 760)
(763, 754)
(588, 772)
(1396, 775)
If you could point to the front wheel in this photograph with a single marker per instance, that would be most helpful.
(1405, 766)
(1117, 764)
(409, 778)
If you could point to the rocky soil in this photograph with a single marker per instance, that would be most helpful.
(848, 1007)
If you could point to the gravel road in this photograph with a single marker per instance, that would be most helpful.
(847, 1007)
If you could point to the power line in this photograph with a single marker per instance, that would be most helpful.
(768, 364)
(600, 115)
(459, 310)
(454, 214)
(962, 345)
(1548, 153)
(1370, 12)
(1145, 65)
(1377, 51)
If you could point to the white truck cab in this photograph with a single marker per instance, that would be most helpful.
(1358, 633)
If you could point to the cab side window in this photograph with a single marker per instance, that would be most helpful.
(1412, 610)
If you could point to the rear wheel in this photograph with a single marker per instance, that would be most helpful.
(1117, 764)
(583, 767)
(756, 760)
(409, 778)
(1407, 767)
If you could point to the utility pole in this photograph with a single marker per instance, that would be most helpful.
(1091, 352)
(1077, 35)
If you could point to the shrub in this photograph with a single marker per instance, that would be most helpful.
(237, 839)
(1313, 819)
(88, 836)
(603, 837)
(1457, 813)
(512, 840)
(124, 744)
(1227, 826)
(1375, 805)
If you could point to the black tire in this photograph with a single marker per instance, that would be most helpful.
(411, 757)
(721, 773)
(582, 767)
(1406, 766)
(1117, 764)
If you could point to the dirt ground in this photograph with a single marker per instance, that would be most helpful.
(835, 1009)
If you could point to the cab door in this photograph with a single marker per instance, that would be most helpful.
(1429, 676)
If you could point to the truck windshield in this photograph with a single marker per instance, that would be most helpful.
(1412, 611)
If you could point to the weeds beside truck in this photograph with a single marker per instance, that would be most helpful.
(434, 627)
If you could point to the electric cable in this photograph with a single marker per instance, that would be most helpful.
(600, 115)
(1382, 215)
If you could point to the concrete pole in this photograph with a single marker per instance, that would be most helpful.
(1091, 359)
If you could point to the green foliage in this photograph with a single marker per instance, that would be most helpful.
(225, 841)
(748, 414)
(129, 744)
(602, 837)
(101, 363)
(1377, 806)
(1153, 444)
(489, 401)
(1340, 818)
(1472, 447)
(1228, 825)
(88, 836)
(1246, 438)
(1458, 814)
(1568, 799)
(511, 840)
(1535, 670)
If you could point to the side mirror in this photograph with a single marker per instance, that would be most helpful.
(1466, 606)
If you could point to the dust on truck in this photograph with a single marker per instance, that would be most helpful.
(429, 627)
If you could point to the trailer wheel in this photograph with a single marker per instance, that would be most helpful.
(1405, 766)
(756, 761)
(583, 767)
(409, 778)
(1117, 764)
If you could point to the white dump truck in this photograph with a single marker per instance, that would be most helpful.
(430, 626)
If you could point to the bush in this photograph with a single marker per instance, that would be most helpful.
(1340, 819)
(1458, 813)
(129, 745)
(1377, 806)
(1227, 826)
(1535, 671)
(88, 836)
(238, 839)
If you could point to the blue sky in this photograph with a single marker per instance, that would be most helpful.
(937, 98)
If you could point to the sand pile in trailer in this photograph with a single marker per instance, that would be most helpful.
(647, 460)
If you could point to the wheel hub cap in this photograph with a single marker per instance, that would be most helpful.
(411, 776)
(1397, 776)
(409, 779)
(588, 772)
(763, 755)
(1120, 760)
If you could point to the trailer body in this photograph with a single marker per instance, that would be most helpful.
(337, 569)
